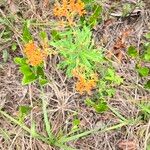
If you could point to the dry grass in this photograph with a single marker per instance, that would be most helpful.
(63, 102)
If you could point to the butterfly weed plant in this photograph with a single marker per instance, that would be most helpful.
(77, 49)
(80, 59)
(32, 64)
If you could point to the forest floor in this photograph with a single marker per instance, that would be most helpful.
(125, 125)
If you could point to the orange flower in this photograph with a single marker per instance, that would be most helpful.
(34, 54)
(69, 9)
(83, 84)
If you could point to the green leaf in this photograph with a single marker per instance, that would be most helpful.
(26, 33)
(132, 52)
(89, 102)
(5, 55)
(23, 112)
(40, 72)
(20, 61)
(14, 46)
(147, 85)
(143, 71)
(43, 35)
(113, 77)
(33, 129)
(25, 69)
(101, 107)
(43, 81)
(95, 17)
(147, 57)
(28, 79)
(76, 122)
(88, 1)
(46, 121)
(147, 36)
(127, 8)
(55, 35)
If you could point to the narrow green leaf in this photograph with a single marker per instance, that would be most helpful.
(26, 33)
(5, 55)
(95, 17)
(43, 35)
(46, 121)
(55, 35)
(33, 129)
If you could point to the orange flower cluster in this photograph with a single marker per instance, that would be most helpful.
(34, 54)
(69, 9)
(83, 84)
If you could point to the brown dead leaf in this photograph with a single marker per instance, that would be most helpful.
(46, 3)
(108, 22)
(127, 145)
(119, 45)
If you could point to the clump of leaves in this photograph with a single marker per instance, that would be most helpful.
(142, 59)
(145, 110)
(105, 89)
(99, 105)
(77, 50)
(96, 14)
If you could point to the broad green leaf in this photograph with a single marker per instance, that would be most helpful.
(101, 107)
(112, 76)
(42, 81)
(147, 52)
(76, 122)
(40, 72)
(26, 33)
(132, 52)
(24, 109)
(20, 61)
(147, 57)
(75, 125)
(28, 79)
(25, 69)
(23, 112)
(143, 71)
(147, 85)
